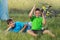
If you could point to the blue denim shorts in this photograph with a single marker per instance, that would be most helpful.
(28, 27)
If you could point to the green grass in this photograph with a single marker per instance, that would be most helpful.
(53, 24)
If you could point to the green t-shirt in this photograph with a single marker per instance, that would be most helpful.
(36, 23)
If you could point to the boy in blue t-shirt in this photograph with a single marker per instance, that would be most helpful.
(19, 27)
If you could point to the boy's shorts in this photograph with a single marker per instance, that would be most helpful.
(28, 27)
(39, 31)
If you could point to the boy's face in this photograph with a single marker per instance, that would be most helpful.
(37, 13)
(11, 24)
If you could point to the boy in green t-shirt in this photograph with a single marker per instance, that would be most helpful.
(38, 21)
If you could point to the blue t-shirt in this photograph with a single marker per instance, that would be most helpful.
(17, 26)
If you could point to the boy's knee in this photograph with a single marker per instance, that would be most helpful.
(46, 31)
(28, 31)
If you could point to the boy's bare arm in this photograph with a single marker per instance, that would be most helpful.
(23, 28)
(31, 12)
(8, 29)
(44, 19)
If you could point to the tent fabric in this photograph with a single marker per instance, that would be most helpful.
(4, 10)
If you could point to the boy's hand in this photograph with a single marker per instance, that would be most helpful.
(23, 28)
(20, 31)
(44, 19)
(34, 6)
(8, 29)
(31, 12)
(43, 15)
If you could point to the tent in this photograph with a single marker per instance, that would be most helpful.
(4, 10)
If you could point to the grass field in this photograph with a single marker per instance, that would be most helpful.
(53, 24)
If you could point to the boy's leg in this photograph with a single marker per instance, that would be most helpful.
(31, 33)
(48, 32)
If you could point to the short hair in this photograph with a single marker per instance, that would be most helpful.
(9, 20)
(37, 9)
